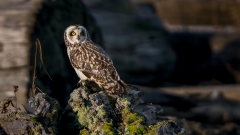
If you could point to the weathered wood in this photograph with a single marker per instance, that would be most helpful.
(16, 20)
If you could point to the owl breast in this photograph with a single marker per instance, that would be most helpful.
(81, 75)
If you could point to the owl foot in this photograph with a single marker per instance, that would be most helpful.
(90, 84)
(83, 82)
(79, 83)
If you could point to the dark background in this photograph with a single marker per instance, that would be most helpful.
(184, 54)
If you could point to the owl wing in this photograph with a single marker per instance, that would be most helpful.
(94, 63)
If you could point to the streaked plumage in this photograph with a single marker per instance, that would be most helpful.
(91, 62)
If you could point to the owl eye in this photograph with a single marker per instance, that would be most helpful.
(73, 33)
(82, 34)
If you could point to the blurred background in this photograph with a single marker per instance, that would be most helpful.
(185, 54)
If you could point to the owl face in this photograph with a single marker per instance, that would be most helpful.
(76, 34)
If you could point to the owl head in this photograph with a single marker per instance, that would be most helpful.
(76, 34)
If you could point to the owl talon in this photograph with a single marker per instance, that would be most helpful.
(79, 84)
(85, 82)
(90, 84)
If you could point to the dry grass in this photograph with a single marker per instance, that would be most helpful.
(38, 48)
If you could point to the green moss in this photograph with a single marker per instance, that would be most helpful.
(134, 124)
(84, 117)
(136, 129)
(108, 128)
(37, 129)
(84, 132)
(49, 115)
(133, 117)
(101, 112)
(153, 128)
(55, 110)
(33, 118)
(98, 117)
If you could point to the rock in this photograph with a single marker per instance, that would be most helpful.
(88, 112)
(169, 128)
(91, 112)
(41, 116)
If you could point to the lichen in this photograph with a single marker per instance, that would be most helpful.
(134, 124)
(98, 113)
(92, 111)
(166, 126)
(84, 132)
(108, 128)
(153, 128)
(101, 112)
(88, 113)
(84, 118)
(33, 121)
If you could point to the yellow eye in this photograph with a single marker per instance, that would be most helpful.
(73, 33)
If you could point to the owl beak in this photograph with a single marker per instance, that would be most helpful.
(78, 37)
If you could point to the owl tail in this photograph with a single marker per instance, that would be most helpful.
(121, 87)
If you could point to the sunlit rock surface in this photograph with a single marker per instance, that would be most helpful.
(90, 112)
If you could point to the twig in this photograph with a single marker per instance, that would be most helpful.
(33, 89)
(15, 87)
(39, 89)
(40, 54)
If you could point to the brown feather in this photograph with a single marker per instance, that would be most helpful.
(92, 61)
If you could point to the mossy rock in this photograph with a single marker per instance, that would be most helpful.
(97, 113)
(41, 116)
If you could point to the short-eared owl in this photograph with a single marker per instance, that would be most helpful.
(91, 62)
